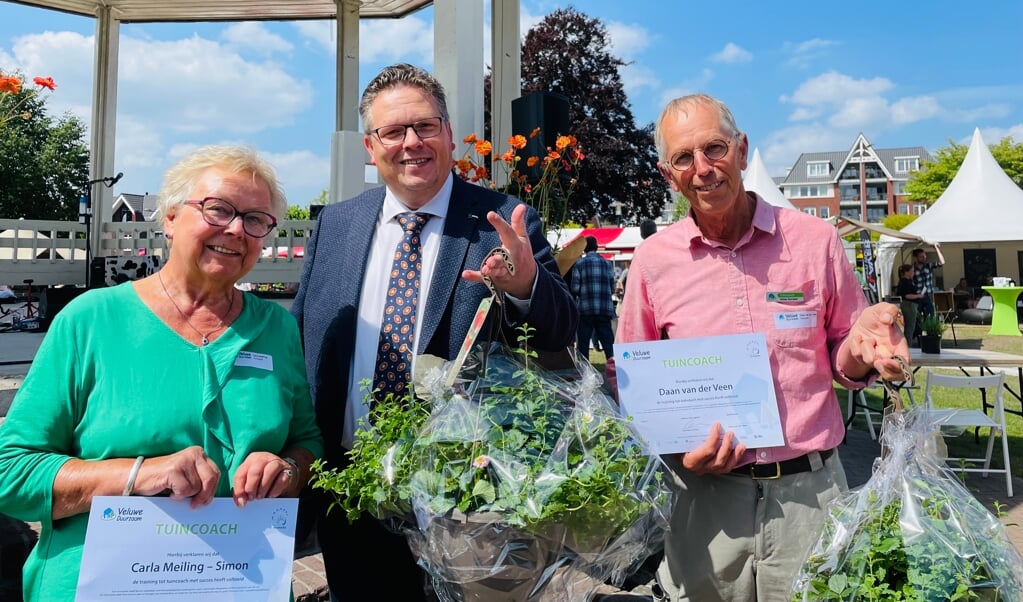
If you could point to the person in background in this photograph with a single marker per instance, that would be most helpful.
(142, 388)
(964, 295)
(445, 227)
(910, 304)
(745, 516)
(923, 277)
(593, 285)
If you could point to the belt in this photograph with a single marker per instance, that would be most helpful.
(776, 470)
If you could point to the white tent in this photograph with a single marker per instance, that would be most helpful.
(759, 181)
(982, 208)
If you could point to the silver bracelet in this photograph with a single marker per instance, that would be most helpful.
(130, 485)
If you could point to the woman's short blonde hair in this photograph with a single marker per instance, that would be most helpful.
(179, 180)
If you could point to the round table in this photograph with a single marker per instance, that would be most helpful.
(1003, 316)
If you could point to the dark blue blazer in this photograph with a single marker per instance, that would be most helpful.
(326, 305)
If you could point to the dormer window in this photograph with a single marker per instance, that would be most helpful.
(906, 164)
(816, 169)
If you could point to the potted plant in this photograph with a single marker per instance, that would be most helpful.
(500, 479)
(912, 532)
(932, 327)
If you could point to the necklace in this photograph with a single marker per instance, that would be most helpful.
(205, 337)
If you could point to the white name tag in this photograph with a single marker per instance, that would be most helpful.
(255, 360)
(795, 319)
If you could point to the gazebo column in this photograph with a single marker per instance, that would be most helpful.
(506, 77)
(458, 64)
(348, 155)
(104, 120)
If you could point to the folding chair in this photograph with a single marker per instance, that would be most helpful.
(965, 418)
(945, 308)
(857, 400)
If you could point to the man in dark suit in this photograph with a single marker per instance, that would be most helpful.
(344, 290)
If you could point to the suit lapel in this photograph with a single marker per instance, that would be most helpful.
(459, 227)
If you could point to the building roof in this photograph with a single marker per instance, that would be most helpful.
(139, 204)
(838, 160)
(147, 11)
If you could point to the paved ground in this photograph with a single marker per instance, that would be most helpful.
(857, 453)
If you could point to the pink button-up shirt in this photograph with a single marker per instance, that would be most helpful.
(684, 285)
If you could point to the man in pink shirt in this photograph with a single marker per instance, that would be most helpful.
(744, 517)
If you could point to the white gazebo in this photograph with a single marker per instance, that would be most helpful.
(458, 60)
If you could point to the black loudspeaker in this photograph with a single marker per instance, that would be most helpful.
(314, 210)
(547, 111)
(54, 300)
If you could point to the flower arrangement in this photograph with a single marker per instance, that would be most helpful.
(12, 100)
(912, 532)
(547, 192)
(512, 457)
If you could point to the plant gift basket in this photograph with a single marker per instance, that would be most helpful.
(912, 532)
(514, 484)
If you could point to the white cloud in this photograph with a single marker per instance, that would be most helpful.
(804, 53)
(973, 115)
(302, 173)
(194, 85)
(781, 148)
(835, 88)
(380, 40)
(993, 135)
(628, 41)
(858, 113)
(909, 110)
(387, 40)
(250, 35)
(732, 53)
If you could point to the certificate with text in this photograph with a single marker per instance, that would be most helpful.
(141, 548)
(676, 389)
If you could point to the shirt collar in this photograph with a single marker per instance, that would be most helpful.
(437, 206)
(763, 220)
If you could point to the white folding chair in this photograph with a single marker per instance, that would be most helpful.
(965, 418)
(856, 401)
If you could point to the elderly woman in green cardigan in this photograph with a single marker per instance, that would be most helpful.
(178, 384)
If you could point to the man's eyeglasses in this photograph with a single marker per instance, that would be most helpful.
(390, 135)
(713, 150)
(218, 212)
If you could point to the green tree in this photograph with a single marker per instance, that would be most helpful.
(567, 53)
(898, 221)
(927, 184)
(297, 212)
(45, 161)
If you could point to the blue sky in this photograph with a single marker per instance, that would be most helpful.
(799, 76)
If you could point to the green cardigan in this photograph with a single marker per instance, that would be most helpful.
(111, 380)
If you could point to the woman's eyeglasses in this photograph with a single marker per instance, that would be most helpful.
(218, 212)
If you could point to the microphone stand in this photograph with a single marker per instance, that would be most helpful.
(85, 217)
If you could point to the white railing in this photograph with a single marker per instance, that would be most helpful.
(54, 252)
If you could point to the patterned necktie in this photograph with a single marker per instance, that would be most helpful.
(394, 354)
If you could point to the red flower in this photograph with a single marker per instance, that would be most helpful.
(45, 82)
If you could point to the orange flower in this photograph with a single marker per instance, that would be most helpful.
(532, 161)
(517, 142)
(10, 85)
(45, 82)
(470, 139)
(510, 157)
(563, 142)
(534, 132)
(483, 147)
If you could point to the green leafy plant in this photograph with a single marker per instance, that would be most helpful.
(521, 446)
(933, 325)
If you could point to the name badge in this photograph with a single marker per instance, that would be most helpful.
(785, 296)
(795, 319)
(255, 360)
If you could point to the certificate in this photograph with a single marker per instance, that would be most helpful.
(141, 548)
(676, 389)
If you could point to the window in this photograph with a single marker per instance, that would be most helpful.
(919, 209)
(825, 213)
(810, 210)
(876, 214)
(899, 187)
(904, 208)
(817, 168)
(906, 164)
(795, 192)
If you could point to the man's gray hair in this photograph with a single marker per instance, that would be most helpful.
(402, 74)
(682, 104)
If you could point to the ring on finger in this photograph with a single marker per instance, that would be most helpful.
(288, 473)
